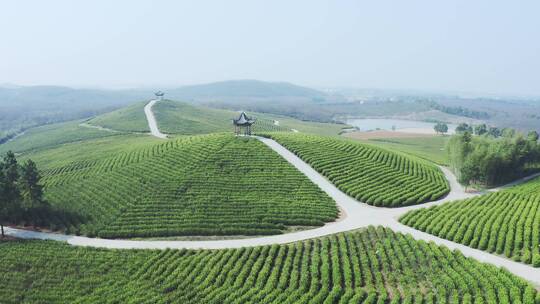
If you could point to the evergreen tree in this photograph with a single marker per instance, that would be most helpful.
(32, 191)
(480, 129)
(10, 192)
(493, 131)
(532, 136)
(490, 161)
(463, 127)
(441, 128)
(3, 198)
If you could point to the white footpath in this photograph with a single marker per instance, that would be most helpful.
(152, 123)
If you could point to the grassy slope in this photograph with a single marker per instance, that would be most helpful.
(53, 135)
(202, 185)
(365, 266)
(506, 222)
(182, 118)
(129, 119)
(372, 175)
(429, 148)
(185, 119)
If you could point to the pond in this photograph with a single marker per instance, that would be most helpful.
(410, 126)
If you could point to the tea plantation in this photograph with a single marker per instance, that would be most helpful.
(180, 118)
(373, 265)
(505, 222)
(369, 174)
(201, 185)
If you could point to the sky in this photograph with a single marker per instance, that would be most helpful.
(457, 45)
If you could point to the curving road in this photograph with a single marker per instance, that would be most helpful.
(152, 123)
(357, 215)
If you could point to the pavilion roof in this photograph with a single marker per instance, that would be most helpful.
(243, 119)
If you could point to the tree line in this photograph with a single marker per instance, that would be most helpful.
(490, 156)
(21, 194)
(460, 111)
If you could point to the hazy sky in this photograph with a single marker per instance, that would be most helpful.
(479, 46)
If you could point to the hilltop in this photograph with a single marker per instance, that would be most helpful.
(243, 88)
(182, 118)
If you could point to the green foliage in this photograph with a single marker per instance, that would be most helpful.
(490, 161)
(31, 189)
(18, 184)
(441, 128)
(460, 111)
(373, 265)
(532, 136)
(372, 175)
(202, 185)
(463, 127)
(9, 189)
(480, 129)
(505, 222)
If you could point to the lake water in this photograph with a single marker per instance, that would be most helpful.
(411, 126)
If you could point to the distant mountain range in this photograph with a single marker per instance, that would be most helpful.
(244, 89)
(12, 96)
(26, 106)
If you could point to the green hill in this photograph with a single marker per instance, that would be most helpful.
(244, 88)
(53, 135)
(202, 185)
(128, 119)
(29, 106)
(506, 222)
(182, 118)
(373, 265)
(372, 175)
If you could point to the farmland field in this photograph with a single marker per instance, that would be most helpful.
(372, 265)
(202, 185)
(431, 148)
(506, 222)
(370, 174)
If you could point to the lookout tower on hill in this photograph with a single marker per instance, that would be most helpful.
(242, 125)
(159, 95)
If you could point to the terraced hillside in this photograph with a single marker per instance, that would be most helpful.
(202, 185)
(372, 175)
(373, 265)
(181, 118)
(505, 222)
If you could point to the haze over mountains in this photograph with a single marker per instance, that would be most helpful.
(27, 106)
(24, 106)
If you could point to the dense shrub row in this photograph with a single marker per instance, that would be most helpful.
(531, 187)
(371, 175)
(374, 265)
(506, 222)
(201, 185)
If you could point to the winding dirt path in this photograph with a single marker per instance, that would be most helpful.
(152, 123)
(358, 215)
